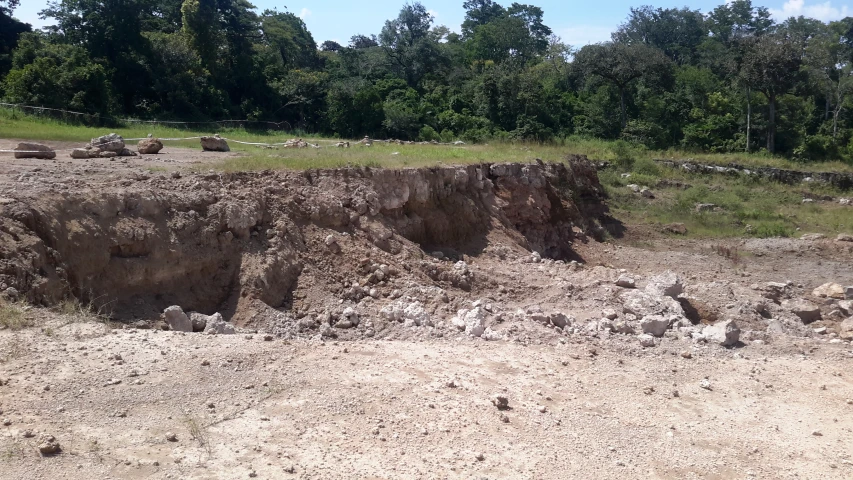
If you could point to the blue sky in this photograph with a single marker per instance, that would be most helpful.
(577, 23)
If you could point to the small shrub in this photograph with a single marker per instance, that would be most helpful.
(12, 317)
(646, 166)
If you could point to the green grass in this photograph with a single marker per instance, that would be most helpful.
(12, 316)
(747, 206)
(17, 125)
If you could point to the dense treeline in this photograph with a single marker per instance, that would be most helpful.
(730, 80)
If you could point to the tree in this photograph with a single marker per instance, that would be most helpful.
(479, 12)
(330, 46)
(7, 6)
(828, 61)
(676, 32)
(738, 19)
(621, 64)
(771, 65)
(407, 42)
(363, 41)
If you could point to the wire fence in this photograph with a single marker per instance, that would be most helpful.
(107, 120)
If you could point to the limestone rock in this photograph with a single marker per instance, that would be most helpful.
(149, 146)
(408, 313)
(48, 445)
(472, 321)
(217, 325)
(625, 281)
(829, 290)
(199, 320)
(844, 237)
(725, 333)
(177, 320)
(655, 325)
(643, 304)
(34, 150)
(560, 320)
(646, 340)
(108, 143)
(80, 153)
(667, 284)
(806, 310)
(214, 144)
(811, 237)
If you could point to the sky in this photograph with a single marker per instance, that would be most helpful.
(579, 25)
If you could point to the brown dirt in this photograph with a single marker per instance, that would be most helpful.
(373, 400)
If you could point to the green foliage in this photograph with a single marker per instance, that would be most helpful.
(728, 82)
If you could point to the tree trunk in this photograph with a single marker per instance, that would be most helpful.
(771, 124)
(826, 110)
(748, 117)
(622, 105)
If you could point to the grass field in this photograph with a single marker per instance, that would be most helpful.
(746, 206)
(14, 124)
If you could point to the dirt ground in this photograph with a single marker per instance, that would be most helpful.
(300, 391)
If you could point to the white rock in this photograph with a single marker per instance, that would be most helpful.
(830, 290)
(667, 284)
(646, 340)
(643, 304)
(217, 325)
(609, 314)
(177, 320)
(654, 325)
(625, 281)
(725, 333)
(472, 321)
(409, 313)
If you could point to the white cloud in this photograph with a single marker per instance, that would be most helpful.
(304, 13)
(580, 35)
(824, 12)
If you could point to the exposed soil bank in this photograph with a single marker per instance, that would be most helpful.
(212, 242)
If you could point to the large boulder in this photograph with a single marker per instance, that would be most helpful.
(177, 320)
(80, 153)
(667, 284)
(149, 146)
(214, 144)
(806, 310)
(725, 333)
(108, 143)
(34, 150)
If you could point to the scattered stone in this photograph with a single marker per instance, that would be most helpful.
(504, 418)
(817, 433)
(171, 437)
(686, 354)
(107, 143)
(844, 237)
(480, 457)
(725, 333)
(409, 313)
(806, 310)
(501, 402)
(654, 325)
(705, 384)
(214, 144)
(48, 445)
(829, 290)
(667, 284)
(625, 281)
(149, 146)
(820, 330)
(332, 244)
(811, 237)
(34, 150)
(268, 338)
(609, 314)
(646, 340)
(177, 320)
(199, 321)
(471, 321)
(216, 325)
(645, 192)
(643, 304)
(705, 207)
